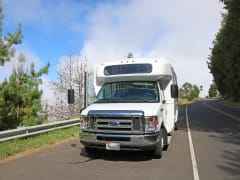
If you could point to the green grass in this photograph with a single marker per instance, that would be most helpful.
(13, 147)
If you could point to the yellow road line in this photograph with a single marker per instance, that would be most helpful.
(222, 112)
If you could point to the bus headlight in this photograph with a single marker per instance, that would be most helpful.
(151, 123)
(83, 122)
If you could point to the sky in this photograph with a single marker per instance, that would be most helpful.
(181, 31)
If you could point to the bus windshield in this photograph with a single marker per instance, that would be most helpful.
(129, 92)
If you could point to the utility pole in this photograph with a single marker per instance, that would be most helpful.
(85, 89)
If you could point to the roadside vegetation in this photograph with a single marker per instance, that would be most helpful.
(188, 92)
(21, 102)
(20, 96)
(229, 103)
(182, 101)
(224, 60)
(16, 146)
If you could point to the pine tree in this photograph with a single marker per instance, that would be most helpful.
(20, 97)
(7, 41)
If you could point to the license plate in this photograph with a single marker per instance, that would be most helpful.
(113, 146)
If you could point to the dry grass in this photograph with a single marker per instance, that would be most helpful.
(182, 101)
(229, 103)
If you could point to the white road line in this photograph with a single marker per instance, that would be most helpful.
(193, 158)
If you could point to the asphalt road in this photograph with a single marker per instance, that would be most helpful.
(216, 142)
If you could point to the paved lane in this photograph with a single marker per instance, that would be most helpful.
(216, 139)
(65, 162)
(234, 111)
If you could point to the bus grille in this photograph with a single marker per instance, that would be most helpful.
(116, 121)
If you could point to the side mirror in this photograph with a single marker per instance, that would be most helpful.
(70, 96)
(174, 91)
(164, 101)
(81, 110)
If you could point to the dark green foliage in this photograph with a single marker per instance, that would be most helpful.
(224, 61)
(213, 92)
(20, 98)
(7, 41)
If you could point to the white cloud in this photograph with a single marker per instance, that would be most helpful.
(30, 57)
(48, 96)
(181, 31)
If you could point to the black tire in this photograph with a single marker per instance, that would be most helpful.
(165, 139)
(175, 126)
(90, 151)
(157, 153)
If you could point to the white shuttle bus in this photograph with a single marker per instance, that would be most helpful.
(135, 107)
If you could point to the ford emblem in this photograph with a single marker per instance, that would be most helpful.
(113, 123)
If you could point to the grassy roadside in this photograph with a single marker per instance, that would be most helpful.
(229, 103)
(16, 146)
(182, 101)
(186, 101)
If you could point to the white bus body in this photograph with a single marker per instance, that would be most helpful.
(135, 108)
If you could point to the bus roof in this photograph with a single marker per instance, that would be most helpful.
(132, 69)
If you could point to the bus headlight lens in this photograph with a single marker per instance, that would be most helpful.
(151, 123)
(83, 122)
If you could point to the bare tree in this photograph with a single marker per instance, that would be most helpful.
(70, 76)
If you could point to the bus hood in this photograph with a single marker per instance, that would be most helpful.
(149, 109)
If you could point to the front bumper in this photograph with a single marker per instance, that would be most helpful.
(126, 141)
